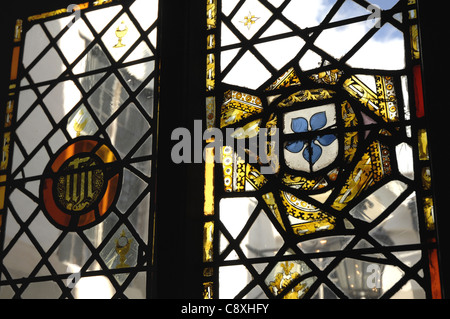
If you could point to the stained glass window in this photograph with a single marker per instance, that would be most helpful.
(318, 179)
(77, 191)
(323, 186)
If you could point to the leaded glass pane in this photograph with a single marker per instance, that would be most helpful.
(77, 153)
(323, 189)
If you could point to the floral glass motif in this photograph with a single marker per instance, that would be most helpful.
(79, 218)
(313, 150)
(346, 209)
(249, 20)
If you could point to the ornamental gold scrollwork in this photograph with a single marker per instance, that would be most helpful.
(284, 279)
(211, 14)
(371, 168)
(210, 71)
(307, 95)
(383, 102)
(330, 77)
(308, 216)
(414, 33)
(289, 78)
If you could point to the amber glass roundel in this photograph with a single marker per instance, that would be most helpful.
(81, 184)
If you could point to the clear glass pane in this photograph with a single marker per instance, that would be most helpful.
(306, 14)
(124, 137)
(35, 45)
(375, 204)
(134, 75)
(361, 279)
(248, 64)
(108, 97)
(401, 227)
(48, 68)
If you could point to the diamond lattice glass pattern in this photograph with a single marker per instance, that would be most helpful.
(79, 216)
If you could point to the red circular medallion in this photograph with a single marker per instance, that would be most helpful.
(81, 184)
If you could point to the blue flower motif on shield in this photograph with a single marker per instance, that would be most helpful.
(311, 149)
